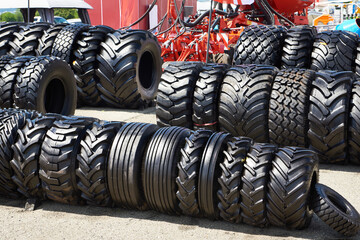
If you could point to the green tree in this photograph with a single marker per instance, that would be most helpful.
(66, 13)
(18, 16)
(8, 17)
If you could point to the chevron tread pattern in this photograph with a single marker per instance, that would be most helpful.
(6, 36)
(354, 125)
(46, 42)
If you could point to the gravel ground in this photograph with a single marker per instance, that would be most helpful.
(58, 221)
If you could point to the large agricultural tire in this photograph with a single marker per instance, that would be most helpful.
(293, 176)
(354, 125)
(260, 45)
(6, 36)
(188, 167)
(92, 160)
(85, 64)
(26, 41)
(244, 101)
(209, 173)
(160, 169)
(129, 68)
(329, 115)
(46, 42)
(298, 47)
(230, 179)
(46, 84)
(6, 88)
(125, 163)
(58, 161)
(66, 41)
(206, 95)
(334, 50)
(335, 211)
(289, 107)
(175, 94)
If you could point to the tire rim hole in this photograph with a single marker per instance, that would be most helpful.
(54, 96)
(146, 70)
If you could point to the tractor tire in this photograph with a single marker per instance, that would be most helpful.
(244, 101)
(291, 185)
(188, 167)
(260, 45)
(160, 171)
(129, 69)
(334, 50)
(298, 47)
(85, 64)
(289, 107)
(354, 125)
(6, 37)
(222, 58)
(46, 42)
(58, 162)
(206, 95)
(329, 115)
(125, 163)
(253, 189)
(92, 160)
(175, 94)
(230, 179)
(336, 211)
(65, 42)
(26, 40)
(209, 173)
(46, 84)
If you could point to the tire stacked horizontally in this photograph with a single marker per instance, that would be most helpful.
(174, 170)
(113, 68)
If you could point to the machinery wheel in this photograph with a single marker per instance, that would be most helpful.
(289, 107)
(85, 64)
(159, 169)
(46, 84)
(334, 50)
(354, 125)
(260, 44)
(244, 101)
(292, 182)
(6, 36)
(336, 211)
(206, 95)
(129, 69)
(46, 42)
(329, 114)
(26, 40)
(298, 47)
(222, 58)
(175, 94)
(188, 167)
(209, 173)
(230, 179)
(92, 162)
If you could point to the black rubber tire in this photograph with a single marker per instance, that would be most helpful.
(188, 167)
(334, 50)
(6, 88)
(289, 107)
(46, 84)
(129, 68)
(206, 95)
(85, 64)
(27, 149)
(329, 115)
(66, 41)
(230, 179)
(335, 211)
(209, 173)
(46, 42)
(175, 94)
(160, 171)
(6, 36)
(92, 159)
(244, 101)
(26, 40)
(354, 125)
(260, 44)
(298, 47)
(125, 163)
(293, 176)
(58, 161)
(253, 188)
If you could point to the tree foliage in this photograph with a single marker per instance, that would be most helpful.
(66, 13)
(11, 17)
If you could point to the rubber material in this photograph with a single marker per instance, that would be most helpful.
(47, 40)
(354, 125)
(6, 36)
(6, 84)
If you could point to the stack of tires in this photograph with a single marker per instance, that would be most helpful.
(113, 68)
(173, 170)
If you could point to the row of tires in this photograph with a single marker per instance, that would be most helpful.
(289, 107)
(112, 67)
(173, 170)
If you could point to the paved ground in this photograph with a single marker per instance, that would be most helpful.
(58, 221)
